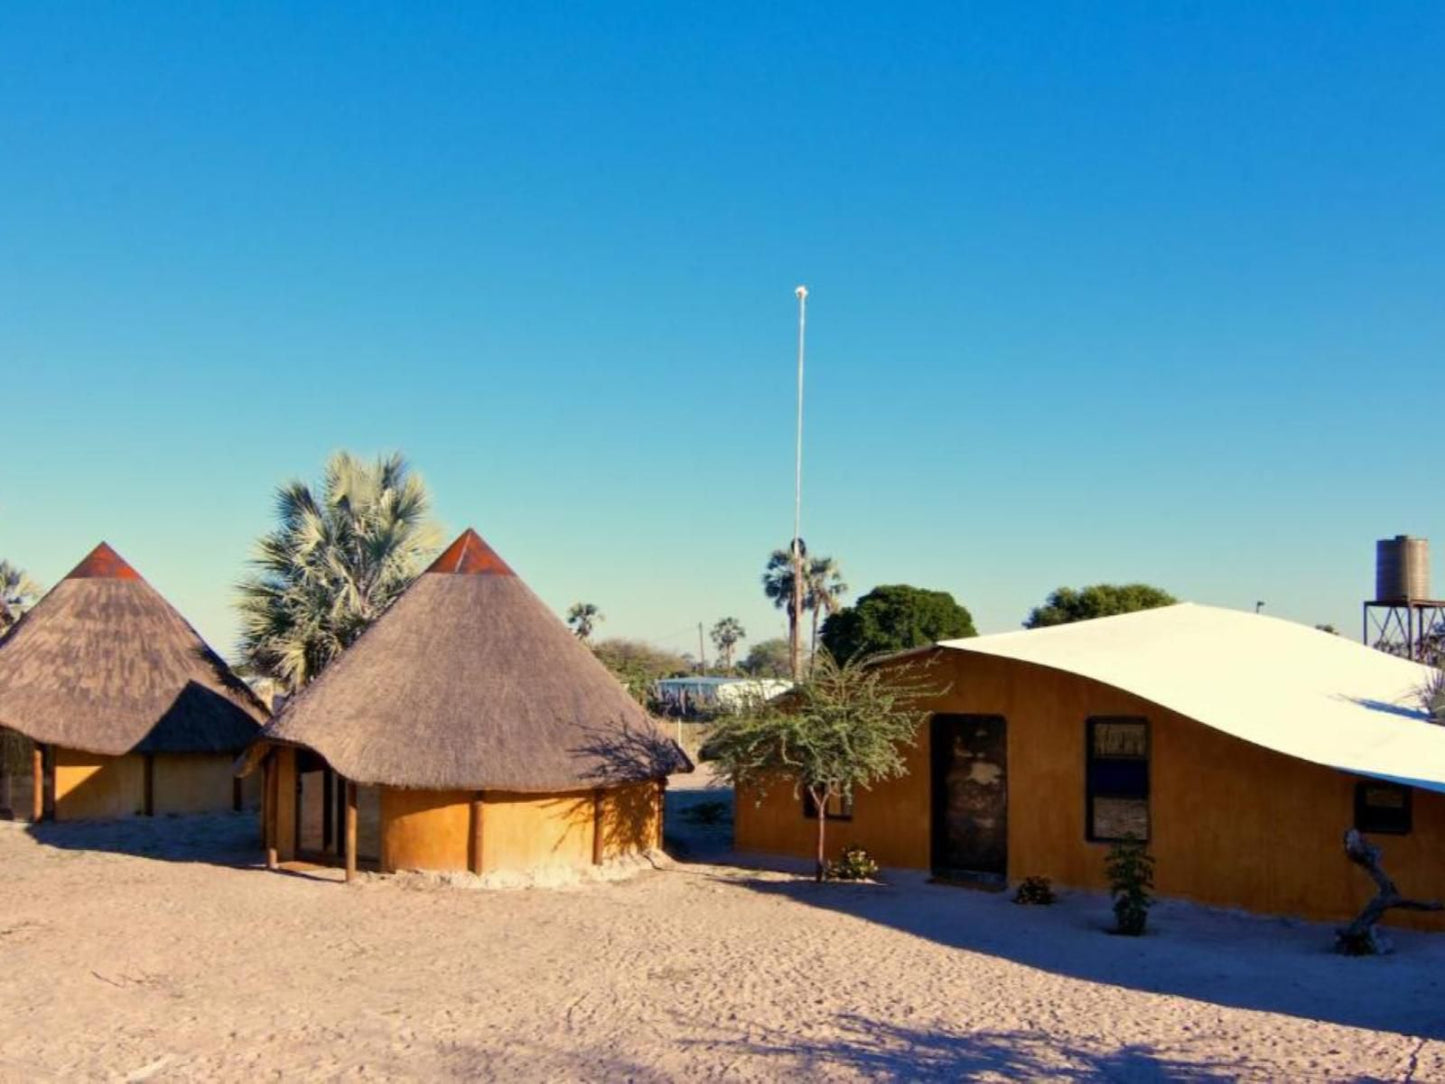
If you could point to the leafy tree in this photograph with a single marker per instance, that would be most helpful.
(1101, 600)
(894, 618)
(824, 591)
(584, 617)
(840, 729)
(334, 563)
(767, 659)
(639, 666)
(18, 593)
(725, 636)
(778, 577)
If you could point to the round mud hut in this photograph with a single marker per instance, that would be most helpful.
(112, 705)
(466, 730)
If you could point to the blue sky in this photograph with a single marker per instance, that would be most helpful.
(1098, 292)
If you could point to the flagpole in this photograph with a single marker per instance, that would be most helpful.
(797, 622)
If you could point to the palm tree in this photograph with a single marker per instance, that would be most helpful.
(584, 617)
(333, 565)
(778, 586)
(824, 589)
(725, 636)
(18, 593)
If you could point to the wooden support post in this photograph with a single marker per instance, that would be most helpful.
(350, 830)
(338, 823)
(328, 812)
(661, 789)
(270, 791)
(474, 842)
(148, 770)
(597, 848)
(37, 772)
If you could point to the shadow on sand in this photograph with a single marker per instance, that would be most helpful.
(1225, 957)
(218, 839)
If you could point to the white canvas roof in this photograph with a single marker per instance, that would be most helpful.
(1287, 687)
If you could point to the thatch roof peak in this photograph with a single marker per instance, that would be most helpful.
(103, 563)
(470, 556)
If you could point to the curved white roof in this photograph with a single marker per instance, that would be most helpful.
(1287, 687)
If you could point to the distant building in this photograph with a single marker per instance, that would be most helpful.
(687, 696)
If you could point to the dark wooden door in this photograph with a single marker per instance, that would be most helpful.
(970, 794)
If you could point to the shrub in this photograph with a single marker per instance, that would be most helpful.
(855, 864)
(1035, 890)
(1130, 868)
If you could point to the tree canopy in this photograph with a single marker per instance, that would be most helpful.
(18, 592)
(1067, 605)
(334, 563)
(895, 617)
(639, 665)
(840, 729)
(584, 617)
(767, 659)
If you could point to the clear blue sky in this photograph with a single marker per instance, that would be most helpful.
(1099, 292)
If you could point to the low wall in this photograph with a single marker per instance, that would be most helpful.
(90, 786)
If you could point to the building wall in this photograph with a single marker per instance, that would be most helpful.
(432, 830)
(629, 819)
(193, 783)
(1231, 823)
(425, 829)
(89, 786)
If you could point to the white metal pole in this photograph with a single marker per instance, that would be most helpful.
(802, 295)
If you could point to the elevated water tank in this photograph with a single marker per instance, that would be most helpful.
(1402, 568)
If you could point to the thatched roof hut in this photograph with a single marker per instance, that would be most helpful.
(104, 664)
(468, 686)
(124, 707)
(470, 682)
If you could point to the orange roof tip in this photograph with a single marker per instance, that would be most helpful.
(470, 556)
(103, 563)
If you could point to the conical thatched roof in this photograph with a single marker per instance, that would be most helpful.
(469, 682)
(104, 664)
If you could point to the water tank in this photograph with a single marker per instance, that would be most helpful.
(1402, 568)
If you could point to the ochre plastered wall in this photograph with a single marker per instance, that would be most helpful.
(193, 783)
(433, 830)
(425, 829)
(628, 819)
(91, 786)
(1231, 823)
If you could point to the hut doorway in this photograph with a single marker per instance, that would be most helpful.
(321, 809)
(970, 796)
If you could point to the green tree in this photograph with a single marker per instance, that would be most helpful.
(894, 618)
(334, 563)
(18, 593)
(841, 729)
(725, 636)
(639, 666)
(1067, 605)
(824, 589)
(766, 659)
(584, 617)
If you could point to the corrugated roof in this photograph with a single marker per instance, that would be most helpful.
(1281, 685)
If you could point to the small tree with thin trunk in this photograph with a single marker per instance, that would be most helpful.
(840, 729)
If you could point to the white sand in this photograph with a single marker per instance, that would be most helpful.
(121, 966)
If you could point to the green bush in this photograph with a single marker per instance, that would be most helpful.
(855, 864)
(1130, 868)
(1035, 890)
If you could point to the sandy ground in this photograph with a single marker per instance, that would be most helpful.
(190, 962)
